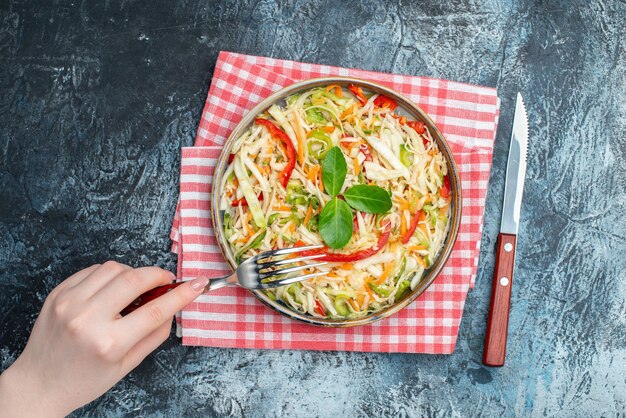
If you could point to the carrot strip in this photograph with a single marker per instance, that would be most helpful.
(246, 238)
(312, 174)
(402, 225)
(320, 183)
(309, 213)
(347, 112)
(386, 272)
(416, 247)
(357, 166)
(346, 266)
(328, 129)
(403, 204)
(360, 299)
(354, 304)
(245, 222)
(337, 88)
(421, 261)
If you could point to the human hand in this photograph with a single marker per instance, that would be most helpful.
(81, 346)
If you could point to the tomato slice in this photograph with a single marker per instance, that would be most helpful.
(243, 201)
(445, 188)
(384, 101)
(365, 149)
(359, 255)
(279, 134)
(358, 92)
(413, 225)
(417, 125)
(319, 308)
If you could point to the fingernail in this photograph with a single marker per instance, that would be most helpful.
(172, 276)
(199, 283)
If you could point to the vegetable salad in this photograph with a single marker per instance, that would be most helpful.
(337, 167)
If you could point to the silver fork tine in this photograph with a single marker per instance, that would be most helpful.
(290, 280)
(263, 276)
(269, 264)
(284, 251)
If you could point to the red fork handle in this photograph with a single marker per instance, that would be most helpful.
(148, 296)
(498, 324)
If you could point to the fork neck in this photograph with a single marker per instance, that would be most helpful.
(220, 282)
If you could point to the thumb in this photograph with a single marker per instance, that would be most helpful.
(155, 313)
(181, 296)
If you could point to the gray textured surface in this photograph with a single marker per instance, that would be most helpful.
(97, 98)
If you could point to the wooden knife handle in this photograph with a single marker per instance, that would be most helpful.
(498, 324)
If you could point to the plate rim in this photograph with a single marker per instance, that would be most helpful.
(456, 203)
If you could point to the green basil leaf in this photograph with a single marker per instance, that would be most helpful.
(335, 223)
(334, 169)
(370, 199)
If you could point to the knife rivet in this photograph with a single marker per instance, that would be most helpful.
(508, 247)
(504, 281)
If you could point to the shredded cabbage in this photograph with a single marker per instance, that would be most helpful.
(372, 139)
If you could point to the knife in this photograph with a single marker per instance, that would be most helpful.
(498, 323)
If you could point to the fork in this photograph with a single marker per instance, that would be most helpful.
(253, 273)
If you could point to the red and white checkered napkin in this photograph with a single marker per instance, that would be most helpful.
(233, 317)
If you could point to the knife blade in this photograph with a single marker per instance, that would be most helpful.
(497, 326)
